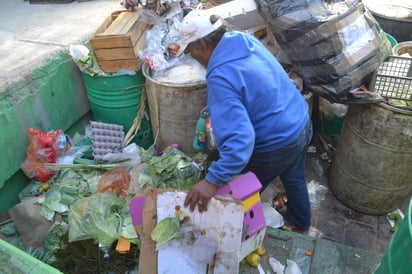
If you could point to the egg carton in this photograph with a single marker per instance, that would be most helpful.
(106, 138)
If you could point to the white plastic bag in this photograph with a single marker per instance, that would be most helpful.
(292, 268)
(272, 217)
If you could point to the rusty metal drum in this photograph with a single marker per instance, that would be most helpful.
(372, 168)
(174, 111)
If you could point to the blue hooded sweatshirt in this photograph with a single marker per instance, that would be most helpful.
(253, 104)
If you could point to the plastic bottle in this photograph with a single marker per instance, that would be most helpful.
(200, 139)
(105, 248)
(211, 141)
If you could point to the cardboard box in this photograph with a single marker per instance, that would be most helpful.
(253, 221)
(234, 220)
(241, 187)
(252, 244)
(211, 240)
(116, 43)
(246, 188)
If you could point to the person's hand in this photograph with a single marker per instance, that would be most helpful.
(199, 195)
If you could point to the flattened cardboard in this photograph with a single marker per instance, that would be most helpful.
(148, 253)
(209, 238)
(29, 223)
(226, 258)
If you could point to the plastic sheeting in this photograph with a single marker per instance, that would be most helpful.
(333, 45)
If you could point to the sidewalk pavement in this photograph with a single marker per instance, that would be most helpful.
(32, 33)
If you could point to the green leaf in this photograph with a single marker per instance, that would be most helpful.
(166, 230)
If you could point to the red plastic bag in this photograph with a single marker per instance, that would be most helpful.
(115, 181)
(42, 149)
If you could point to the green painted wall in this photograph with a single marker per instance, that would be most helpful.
(51, 97)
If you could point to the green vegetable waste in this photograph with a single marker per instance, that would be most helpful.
(398, 220)
(85, 217)
(67, 188)
(172, 169)
(166, 230)
(101, 217)
(85, 214)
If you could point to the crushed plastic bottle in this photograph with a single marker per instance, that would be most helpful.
(211, 141)
(105, 249)
(280, 202)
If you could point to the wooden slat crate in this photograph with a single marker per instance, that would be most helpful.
(117, 41)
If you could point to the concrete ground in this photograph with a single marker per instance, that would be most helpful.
(335, 221)
(30, 33)
(342, 239)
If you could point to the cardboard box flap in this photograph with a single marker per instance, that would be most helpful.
(148, 253)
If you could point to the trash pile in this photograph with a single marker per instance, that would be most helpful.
(82, 185)
(79, 199)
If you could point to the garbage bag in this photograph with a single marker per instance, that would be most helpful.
(334, 46)
(43, 148)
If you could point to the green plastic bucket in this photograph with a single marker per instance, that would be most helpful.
(331, 125)
(391, 39)
(398, 256)
(115, 100)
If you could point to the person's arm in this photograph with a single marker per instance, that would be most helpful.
(235, 140)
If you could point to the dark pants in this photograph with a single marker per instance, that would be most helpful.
(289, 164)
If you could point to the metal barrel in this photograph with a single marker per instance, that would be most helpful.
(372, 168)
(174, 111)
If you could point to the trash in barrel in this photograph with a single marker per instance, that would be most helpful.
(115, 98)
(174, 109)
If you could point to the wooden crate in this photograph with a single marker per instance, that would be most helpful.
(117, 41)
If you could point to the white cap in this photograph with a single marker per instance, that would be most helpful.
(195, 25)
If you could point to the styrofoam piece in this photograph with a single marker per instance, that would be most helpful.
(106, 138)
